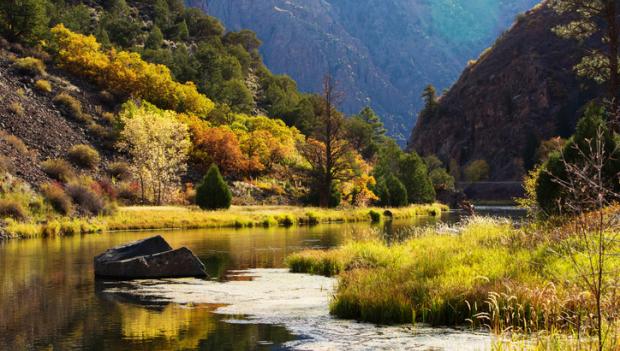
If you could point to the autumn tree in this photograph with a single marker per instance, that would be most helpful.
(219, 146)
(326, 149)
(158, 145)
(593, 18)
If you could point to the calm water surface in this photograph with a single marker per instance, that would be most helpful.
(49, 299)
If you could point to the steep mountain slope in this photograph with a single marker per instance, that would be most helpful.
(29, 118)
(522, 91)
(381, 52)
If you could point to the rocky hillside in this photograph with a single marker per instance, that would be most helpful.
(382, 52)
(34, 129)
(519, 93)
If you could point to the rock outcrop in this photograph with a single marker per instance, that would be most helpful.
(522, 91)
(382, 53)
(148, 258)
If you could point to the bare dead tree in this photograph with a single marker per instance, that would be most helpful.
(590, 240)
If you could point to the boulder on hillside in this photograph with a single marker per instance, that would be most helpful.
(148, 258)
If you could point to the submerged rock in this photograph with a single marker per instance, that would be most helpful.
(148, 258)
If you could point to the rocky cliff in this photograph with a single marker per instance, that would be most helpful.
(520, 92)
(383, 53)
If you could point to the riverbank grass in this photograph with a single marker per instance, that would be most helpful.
(483, 273)
(178, 217)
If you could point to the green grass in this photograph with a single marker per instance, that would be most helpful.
(484, 273)
(171, 217)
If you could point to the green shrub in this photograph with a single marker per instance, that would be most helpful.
(10, 208)
(58, 169)
(84, 156)
(120, 170)
(477, 171)
(69, 106)
(375, 217)
(56, 197)
(213, 193)
(43, 85)
(30, 66)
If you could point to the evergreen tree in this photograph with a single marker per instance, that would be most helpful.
(369, 116)
(391, 192)
(549, 193)
(182, 31)
(155, 39)
(414, 175)
(213, 193)
(23, 20)
(430, 97)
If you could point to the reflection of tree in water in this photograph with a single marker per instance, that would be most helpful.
(166, 326)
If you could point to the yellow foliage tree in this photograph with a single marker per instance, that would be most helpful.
(126, 74)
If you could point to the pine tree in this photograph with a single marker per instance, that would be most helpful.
(23, 20)
(155, 39)
(213, 193)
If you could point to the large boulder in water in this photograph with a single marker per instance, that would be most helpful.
(148, 258)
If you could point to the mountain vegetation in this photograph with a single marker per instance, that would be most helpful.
(383, 53)
(160, 95)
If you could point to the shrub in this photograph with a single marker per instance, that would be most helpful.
(57, 198)
(375, 216)
(84, 156)
(58, 169)
(86, 198)
(16, 108)
(476, 171)
(213, 193)
(30, 66)
(43, 85)
(10, 208)
(120, 170)
(6, 166)
(15, 142)
(69, 106)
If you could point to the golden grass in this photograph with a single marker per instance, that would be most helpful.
(484, 272)
(177, 217)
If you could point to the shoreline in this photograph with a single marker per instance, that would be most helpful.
(151, 218)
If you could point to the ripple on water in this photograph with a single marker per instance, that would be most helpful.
(300, 303)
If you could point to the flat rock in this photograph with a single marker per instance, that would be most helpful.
(148, 258)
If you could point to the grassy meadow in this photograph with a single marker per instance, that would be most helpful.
(178, 217)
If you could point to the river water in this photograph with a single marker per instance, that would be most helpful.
(49, 299)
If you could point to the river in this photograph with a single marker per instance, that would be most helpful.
(49, 299)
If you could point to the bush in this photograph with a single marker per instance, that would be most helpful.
(120, 170)
(213, 193)
(16, 108)
(375, 217)
(84, 156)
(10, 208)
(69, 106)
(56, 197)
(30, 66)
(6, 166)
(43, 85)
(15, 142)
(477, 171)
(58, 169)
(86, 198)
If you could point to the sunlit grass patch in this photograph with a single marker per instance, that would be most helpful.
(482, 273)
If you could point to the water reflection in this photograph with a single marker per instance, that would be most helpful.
(48, 296)
(49, 299)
